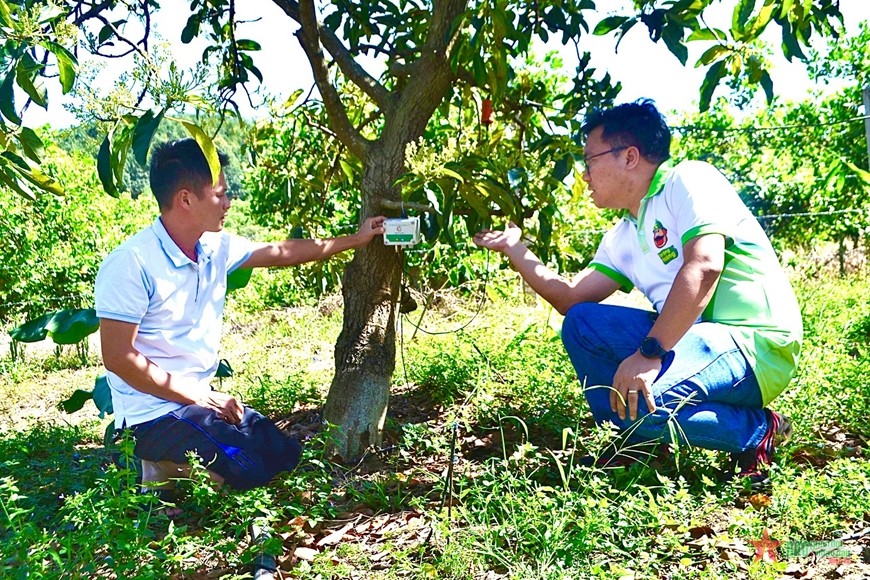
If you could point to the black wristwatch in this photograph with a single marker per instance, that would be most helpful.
(650, 347)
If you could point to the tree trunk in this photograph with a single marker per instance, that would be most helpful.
(365, 353)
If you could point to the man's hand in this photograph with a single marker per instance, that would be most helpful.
(226, 406)
(373, 226)
(499, 241)
(633, 380)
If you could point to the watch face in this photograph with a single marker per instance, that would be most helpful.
(650, 347)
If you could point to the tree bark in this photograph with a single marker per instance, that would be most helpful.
(365, 353)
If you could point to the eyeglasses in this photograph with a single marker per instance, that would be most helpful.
(586, 159)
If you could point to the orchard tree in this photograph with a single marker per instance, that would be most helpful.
(430, 50)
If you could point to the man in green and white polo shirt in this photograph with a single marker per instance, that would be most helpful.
(725, 335)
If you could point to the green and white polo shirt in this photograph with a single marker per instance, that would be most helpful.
(753, 295)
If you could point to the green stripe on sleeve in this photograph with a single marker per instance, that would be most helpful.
(624, 283)
(703, 230)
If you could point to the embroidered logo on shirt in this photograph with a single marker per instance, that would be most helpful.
(660, 235)
(668, 254)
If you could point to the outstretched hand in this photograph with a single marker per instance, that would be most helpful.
(499, 241)
(373, 226)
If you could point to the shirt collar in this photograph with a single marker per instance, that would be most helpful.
(658, 180)
(173, 252)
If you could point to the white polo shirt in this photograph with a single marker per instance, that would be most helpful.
(753, 296)
(177, 303)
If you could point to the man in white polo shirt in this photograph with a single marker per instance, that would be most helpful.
(725, 335)
(160, 299)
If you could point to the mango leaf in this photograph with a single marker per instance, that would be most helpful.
(72, 325)
(246, 44)
(7, 99)
(76, 401)
(790, 46)
(608, 24)
(32, 174)
(207, 146)
(26, 78)
(191, 29)
(224, 369)
(711, 54)
(767, 85)
(707, 34)
(6, 15)
(711, 81)
(143, 133)
(103, 396)
(11, 181)
(32, 330)
(672, 34)
(238, 278)
(104, 167)
(66, 65)
(122, 138)
(33, 146)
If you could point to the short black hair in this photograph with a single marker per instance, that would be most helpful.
(177, 165)
(638, 124)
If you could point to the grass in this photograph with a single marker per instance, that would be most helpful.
(497, 401)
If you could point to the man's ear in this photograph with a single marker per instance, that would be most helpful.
(182, 198)
(632, 157)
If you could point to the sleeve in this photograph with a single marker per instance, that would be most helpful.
(701, 200)
(602, 262)
(239, 250)
(122, 291)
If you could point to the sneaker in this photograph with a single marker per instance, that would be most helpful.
(751, 464)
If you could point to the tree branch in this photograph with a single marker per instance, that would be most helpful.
(335, 110)
(341, 55)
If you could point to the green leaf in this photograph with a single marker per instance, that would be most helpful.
(143, 133)
(706, 34)
(790, 46)
(191, 29)
(238, 278)
(33, 146)
(76, 401)
(711, 54)
(610, 23)
(104, 167)
(453, 174)
(11, 181)
(72, 325)
(32, 174)
(103, 396)
(6, 15)
(767, 85)
(30, 84)
(347, 169)
(249, 45)
(711, 81)
(66, 65)
(32, 330)
(208, 148)
(672, 34)
(7, 98)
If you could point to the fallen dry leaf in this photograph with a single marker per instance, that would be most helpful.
(334, 537)
(759, 500)
(306, 554)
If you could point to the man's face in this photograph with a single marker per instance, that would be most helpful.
(603, 172)
(212, 205)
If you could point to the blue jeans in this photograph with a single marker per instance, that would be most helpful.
(706, 394)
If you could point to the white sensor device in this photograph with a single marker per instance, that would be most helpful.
(402, 231)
